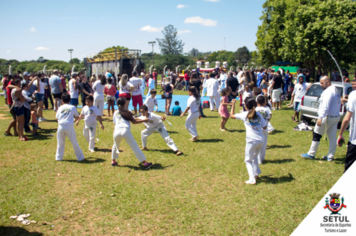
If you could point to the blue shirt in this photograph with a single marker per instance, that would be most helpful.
(176, 111)
(259, 78)
(286, 81)
(54, 82)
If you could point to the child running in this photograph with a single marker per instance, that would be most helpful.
(155, 124)
(194, 113)
(254, 124)
(151, 101)
(122, 118)
(264, 110)
(66, 116)
(223, 112)
(34, 119)
(90, 113)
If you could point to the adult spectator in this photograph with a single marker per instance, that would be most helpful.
(5, 82)
(196, 82)
(286, 82)
(212, 86)
(40, 93)
(64, 82)
(319, 74)
(328, 118)
(276, 92)
(222, 79)
(136, 93)
(85, 89)
(48, 94)
(168, 94)
(125, 88)
(270, 75)
(260, 75)
(32, 87)
(186, 80)
(98, 88)
(74, 89)
(154, 76)
(334, 75)
(306, 75)
(233, 84)
(18, 107)
(56, 88)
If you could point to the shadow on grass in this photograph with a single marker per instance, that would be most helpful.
(278, 146)
(276, 132)
(278, 180)
(340, 161)
(168, 151)
(278, 161)
(104, 150)
(209, 140)
(172, 132)
(88, 160)
(209, 117)
(156, 166)
(11, 230)
(235, 130)
(51, 121)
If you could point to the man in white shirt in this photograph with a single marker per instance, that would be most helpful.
(299, 91)
(212, 87)
(137, 92)
(328, 118)
(351, 146)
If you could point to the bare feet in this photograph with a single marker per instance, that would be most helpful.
(179, 153)
(144, 149)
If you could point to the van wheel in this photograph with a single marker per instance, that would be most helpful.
(307, 119)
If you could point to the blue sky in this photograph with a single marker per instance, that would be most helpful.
(31, 29)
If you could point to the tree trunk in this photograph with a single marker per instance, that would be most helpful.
(312, 70)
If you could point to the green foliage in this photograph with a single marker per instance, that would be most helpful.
(242, 54)
(74, 61)
(112, 49)
(170, 44)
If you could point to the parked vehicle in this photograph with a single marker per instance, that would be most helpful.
(310, 102)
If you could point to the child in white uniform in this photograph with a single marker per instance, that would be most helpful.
(204, 86)
(65, 116)
(151, 85)
(143, 86)
(90, 113)
(194, 113)
(155, 124)
(122, 118)
(254, 124)
(266, 114)
(151, 101)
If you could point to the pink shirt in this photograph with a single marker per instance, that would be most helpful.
(110, 91)
(63, 83)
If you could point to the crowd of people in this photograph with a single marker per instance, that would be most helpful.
(259, 91)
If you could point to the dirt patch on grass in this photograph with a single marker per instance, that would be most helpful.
(4, 117)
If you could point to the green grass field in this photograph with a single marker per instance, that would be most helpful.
(200, 192)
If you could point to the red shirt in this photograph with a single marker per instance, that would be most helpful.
(63, 83)
(154, 75)
(186, 77)
(9, 99)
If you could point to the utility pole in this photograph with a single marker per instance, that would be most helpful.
(224, 43)
(71, 63)
(153, 44)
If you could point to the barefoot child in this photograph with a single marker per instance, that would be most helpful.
(90, 113)
(223, 112)
(151, 101)
(155, 124)
(266, 114)
(254, 124)
(34, 121)
(122, 118)
(66, 116)
(194, 113)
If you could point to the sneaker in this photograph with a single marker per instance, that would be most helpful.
(250, 182)
(40, 119)
(147, 165)
(307, 156)
(327, 158)
(44, 119)
(114, 163)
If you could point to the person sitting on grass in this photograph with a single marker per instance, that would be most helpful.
(151, 101)
(34, 121)
(122, 119)
(223, 112)
(155, 124)
(66, 116)
(176, 111)
(90, 113)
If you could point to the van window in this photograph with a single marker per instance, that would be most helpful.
(316, 90)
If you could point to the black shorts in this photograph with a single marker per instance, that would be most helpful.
(57, 95)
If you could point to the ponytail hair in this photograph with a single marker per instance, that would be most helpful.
(194, 91)
(125, 113)
(251, 104)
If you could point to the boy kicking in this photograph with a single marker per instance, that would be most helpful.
(155, 124)
(90, 113)
(66, 116)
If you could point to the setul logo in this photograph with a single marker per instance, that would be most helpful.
(335, 206)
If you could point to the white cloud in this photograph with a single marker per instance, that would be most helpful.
(41, 48)
(33, 29)
(199, 20)
(181, 6)
(8, 51)
(151, 29)
(211, 0)
(184, 31)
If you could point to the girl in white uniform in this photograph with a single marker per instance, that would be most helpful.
(266, 114)
(155, 124)
(122, 118)
(194, 113)
(99, 87)
(254, 124)
(65, 116)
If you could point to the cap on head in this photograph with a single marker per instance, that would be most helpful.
(26, 73)
(142, 74)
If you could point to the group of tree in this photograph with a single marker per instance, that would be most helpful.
(302, 31)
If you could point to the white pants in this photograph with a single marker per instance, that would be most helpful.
(125, 134)
(161, 129)
(191, 123)
(262, 154)
(204, 92)
(251, 152)
(331, 129)
(63, 132)
(89, 134)
(100, 105)
(217, 102)
(276, 95)
(143, 90)
(270, 127)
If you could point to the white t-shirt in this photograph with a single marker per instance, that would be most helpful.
(351, 107)
(120, 122)
(246, 95)
(300, 90)
(330, 102)
(151, 83)
(137, 83)
(98, 90)
(42, 85)
(65, 114)
(265, 113)
(154, 120)
(254, 128)
(73, 92)
(126, 88)
(212, 87)
(150, 103)
(194, 104)
(90, 114)
(222, 79)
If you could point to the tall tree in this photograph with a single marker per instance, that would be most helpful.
(242, 54)
(194, 52)
(74, 61)
(170, 44)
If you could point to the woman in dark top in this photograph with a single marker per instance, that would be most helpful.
(168, 93)
(196, 82)
(85, 89)
(277, 91)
